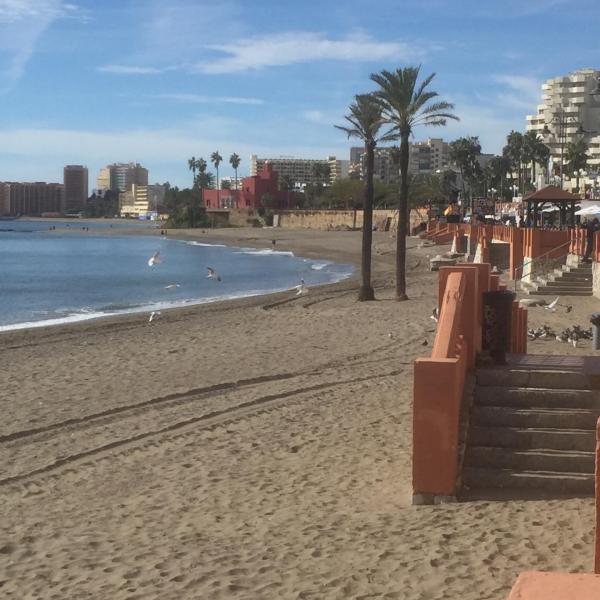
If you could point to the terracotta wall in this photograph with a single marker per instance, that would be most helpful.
(439, 380)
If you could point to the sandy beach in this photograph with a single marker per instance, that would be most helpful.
(253, 449)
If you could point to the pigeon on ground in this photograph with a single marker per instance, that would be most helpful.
(552, 305)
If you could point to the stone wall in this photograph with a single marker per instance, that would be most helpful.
(333, 219)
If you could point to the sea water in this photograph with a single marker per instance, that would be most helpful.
(47, 277)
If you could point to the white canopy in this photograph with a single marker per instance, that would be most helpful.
(590, 209)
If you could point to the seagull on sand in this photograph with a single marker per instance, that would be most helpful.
(172, 286)
(212, 274)
(552, 306)
(435, 314)
(154, 259)
(153, 315)
(301, 289)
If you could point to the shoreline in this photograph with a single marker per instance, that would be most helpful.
(183, 235)
(241, 240)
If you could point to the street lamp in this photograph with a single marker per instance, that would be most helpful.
(561, 120)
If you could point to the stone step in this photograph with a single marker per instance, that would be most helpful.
(548, 439)
(575, 276)
(554, 379)
(557, 482)
(570, 461)
(536, 397)
(562, 291)
(537, 418)
(570, 284)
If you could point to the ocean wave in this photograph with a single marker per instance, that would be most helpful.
(263, 252)
(319, 266)
(207, 245)
(88, 314)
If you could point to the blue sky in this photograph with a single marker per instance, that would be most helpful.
(157, 81)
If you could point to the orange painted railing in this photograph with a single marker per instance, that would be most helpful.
(577, 241)
(541, 241)
(597, 545)
(439, 379)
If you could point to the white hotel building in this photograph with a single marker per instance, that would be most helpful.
(570, 109)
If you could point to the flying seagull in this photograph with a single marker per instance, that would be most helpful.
(301, 289)
(172, 286)
(154, 259)
(212, 274)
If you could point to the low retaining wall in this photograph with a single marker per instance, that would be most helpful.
(331, 219)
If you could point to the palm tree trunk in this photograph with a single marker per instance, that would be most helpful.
(366, 290)
(218, 189)
(402, 221)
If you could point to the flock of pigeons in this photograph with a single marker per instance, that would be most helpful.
(212, 274)
(573, 335)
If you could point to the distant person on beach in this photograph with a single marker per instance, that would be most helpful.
(590, 229)
(273, 243)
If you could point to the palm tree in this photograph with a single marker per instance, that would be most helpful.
(201, 166)
(234, 161)
(216, 160)
(286, 183)
(365, 120)
(576, 157)
(406, 105)
(192, 166)
(513, 151)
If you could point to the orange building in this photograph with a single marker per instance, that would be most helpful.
(252, 190)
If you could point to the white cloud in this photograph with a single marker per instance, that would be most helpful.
(36, 154)
(299, 47)
(22, 22)
(200, 99)
(485, 122)
(528, 87)
(129, 70)
(315, 116)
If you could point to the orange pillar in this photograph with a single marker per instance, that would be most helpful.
(470, 324)
(597, 548)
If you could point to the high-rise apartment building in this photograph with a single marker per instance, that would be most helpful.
(301, 171)
(570, 110)
(30, 198)
(141, 200)
(75, 181)
(119, 177)
(427, 156)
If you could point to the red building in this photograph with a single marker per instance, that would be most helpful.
(251, 192)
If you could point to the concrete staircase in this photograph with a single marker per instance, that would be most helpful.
(566, 281)
(532, 430)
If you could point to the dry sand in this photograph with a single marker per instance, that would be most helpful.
(250, 449)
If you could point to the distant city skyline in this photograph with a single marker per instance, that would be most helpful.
(157, 82)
